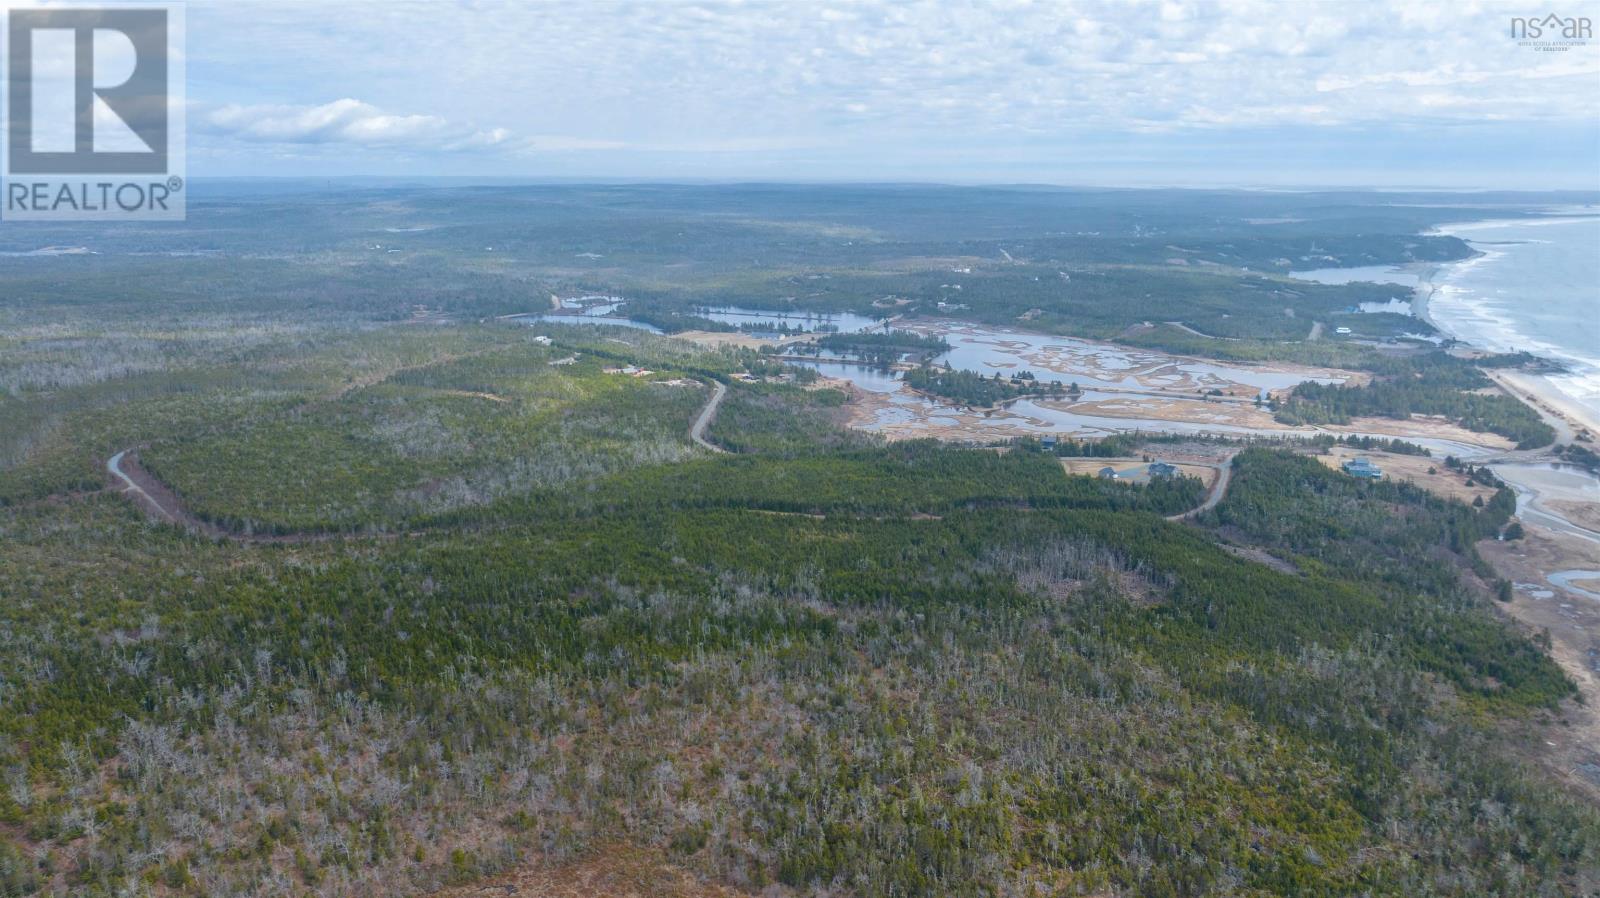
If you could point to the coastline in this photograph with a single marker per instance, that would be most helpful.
(1568, 416)
(1558, 543)
(1566, 413)
(1423, 293)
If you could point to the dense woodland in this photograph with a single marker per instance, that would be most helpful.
(482, 603)
(1434, 384)
(973, 389)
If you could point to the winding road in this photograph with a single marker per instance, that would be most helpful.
(160, 503)
(1219, 489)
(708, 414)
(138, 493)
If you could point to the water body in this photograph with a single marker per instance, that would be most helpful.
(875, 380)
(1536, 482)
(1067, 360)
(1099, 369)
(552, 318)
(1535, 288)
(840, 322)
(1564, 580)
(1375, 274)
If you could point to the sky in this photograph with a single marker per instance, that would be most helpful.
(1348, 93)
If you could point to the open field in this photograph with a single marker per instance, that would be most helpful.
(1428, 473)
(898, 414)
(735, 338)
(1091, 467)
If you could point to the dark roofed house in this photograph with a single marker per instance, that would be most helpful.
(1108, 473)
(1361, 467)
(1162, 469)
(1048, 442)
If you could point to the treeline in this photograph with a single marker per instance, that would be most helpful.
(1113, 446)
(1292, 501)
(785, 421)
(673, 321)
(1433, 384)
(973, 389)
(1582, 456)
(1379, 444)
(902, 340)
(876, 348)
(904, 478)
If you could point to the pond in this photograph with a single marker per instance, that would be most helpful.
(767, 319)
(583, 318)
(1376, 274)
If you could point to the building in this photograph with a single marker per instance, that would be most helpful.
(1341, 330)
(1162, 469)
(1360, 467)
(542, 340)
(1108, 473)
(1048, 442)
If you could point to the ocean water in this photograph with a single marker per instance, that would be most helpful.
(1535, 288)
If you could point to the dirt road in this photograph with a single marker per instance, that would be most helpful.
(152, 495)
(1218, 489)
(707, 415)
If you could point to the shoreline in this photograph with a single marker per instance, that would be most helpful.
(1562, 410)
(1543, 599)
(1570, 417)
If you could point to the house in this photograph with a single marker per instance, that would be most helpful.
(1361, 467)
(1108, 473)
(542, 340)
(1341, 330)
(1048, 442)
(1162, 469)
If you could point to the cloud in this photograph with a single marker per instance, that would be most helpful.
(353, 122)
(556, 143)
(641, 73)
(347, 121)
(881, 79)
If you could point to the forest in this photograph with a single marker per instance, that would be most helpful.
(1434, 384)
(973, 389)
(451, 595)
(620, 604)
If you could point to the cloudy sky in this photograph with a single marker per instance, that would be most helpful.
(1245, 93)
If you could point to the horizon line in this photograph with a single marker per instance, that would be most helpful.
(632, 180)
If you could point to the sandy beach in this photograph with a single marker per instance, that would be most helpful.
(1570, 418)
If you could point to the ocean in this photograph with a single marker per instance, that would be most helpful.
(1535, 288)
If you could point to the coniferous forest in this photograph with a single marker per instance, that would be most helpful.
(434, 595)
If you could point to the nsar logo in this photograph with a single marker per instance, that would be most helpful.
(1553, 32)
